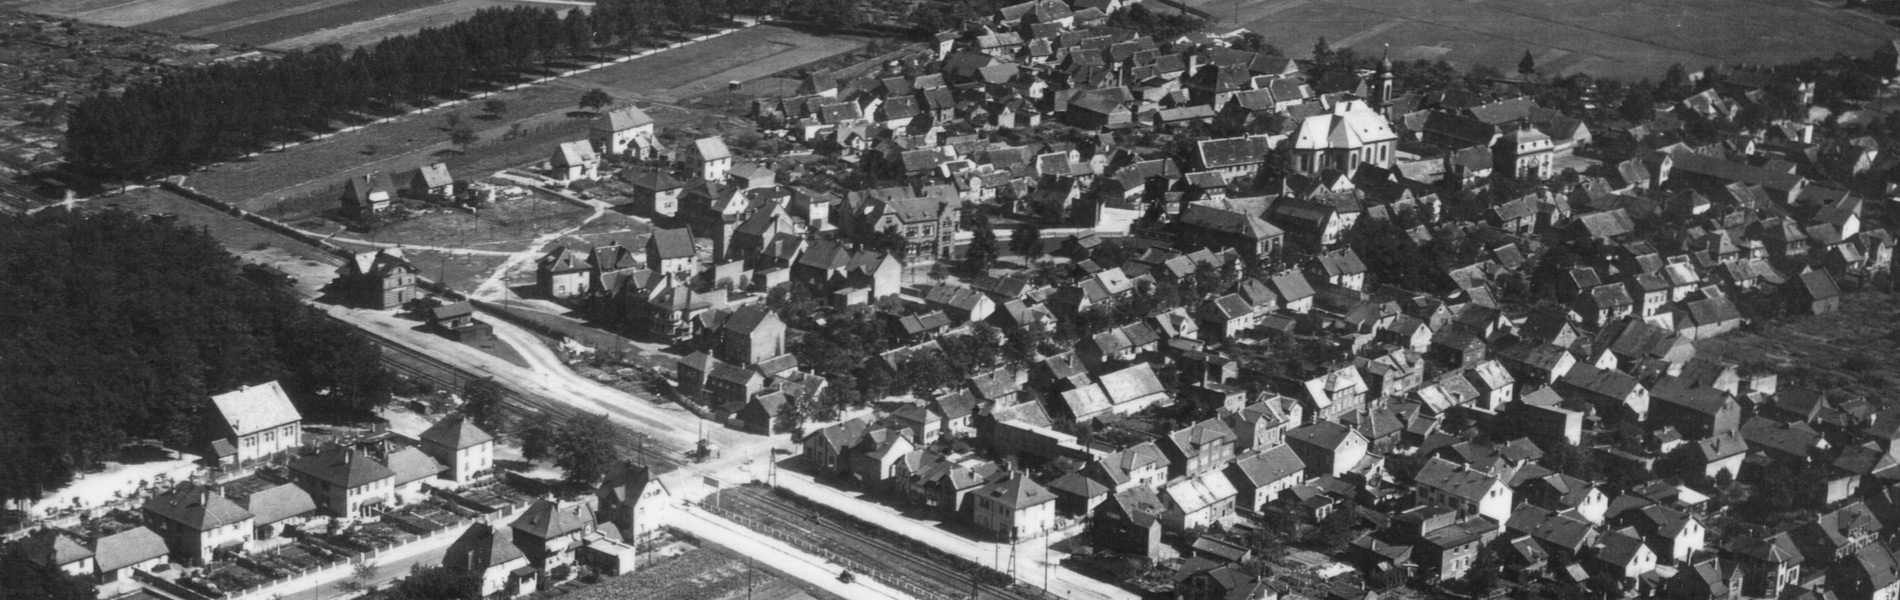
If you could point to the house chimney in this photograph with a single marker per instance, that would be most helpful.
(348, 455)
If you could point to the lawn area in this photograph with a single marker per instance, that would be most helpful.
(703, 67)
(1855, 351)
(1618, 38)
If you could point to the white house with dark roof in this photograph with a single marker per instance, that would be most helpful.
(1471, 492)
(489, 553)
(633, 499)
(344, 480)
(1259, 478)
(254, 422)
(196, 521)
(1015, 508)
(466, 450)
(625, 131)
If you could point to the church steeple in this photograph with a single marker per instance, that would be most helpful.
(1382, 82)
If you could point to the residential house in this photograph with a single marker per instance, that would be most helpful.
(344, 481)
(711, 158)
(488, 554)
(1198, 448)
(672, 251)
(432, 182)
(1197, 501)
(1328, 448)
(633, 499)
(379, 280)
(197, 522)
(368, 195)
(253, 422)
(1259, 478)
(625, 131)
(574, 161)
(467, 451)
(1470, 491)
(1016, 508)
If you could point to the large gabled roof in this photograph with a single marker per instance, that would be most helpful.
(127, 548)
(196, 507)
(546, 519)
(343, 466)
(256, 408)
(456, 432)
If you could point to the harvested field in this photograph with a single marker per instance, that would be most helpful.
(1619, 38)
(1853, 351)
(286, 27)
(707, 66)
(363, 33)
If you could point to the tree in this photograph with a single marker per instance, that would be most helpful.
(435, 583)
(595, 99)
(481, 402)
(463, 136)
(118, 328)
(453, 120)
(982, 251)
(23, 579)
(1254, 42)
(1527, 65)
(1027, 241)
(495, 106)
(926, 372)
(583, 447)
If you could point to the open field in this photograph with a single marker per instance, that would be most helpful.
(313, 170)
(278, 24)
(1854, 351)
(706, 66)
(1617, 38)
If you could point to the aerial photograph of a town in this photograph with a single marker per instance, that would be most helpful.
(949, 299)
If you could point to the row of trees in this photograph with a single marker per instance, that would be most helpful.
(121, 329)
(214, 113)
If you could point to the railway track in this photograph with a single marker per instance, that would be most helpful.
(845, 540)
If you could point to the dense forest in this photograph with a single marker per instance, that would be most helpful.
(205, 115)
(120, 329)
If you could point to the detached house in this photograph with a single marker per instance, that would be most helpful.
(467, 451)
(254, 422)
(625, 131)
(368, 195)
(574, 161)
(1016, 508)
(379, 280)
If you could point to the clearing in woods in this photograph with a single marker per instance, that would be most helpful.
(1629, 39)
